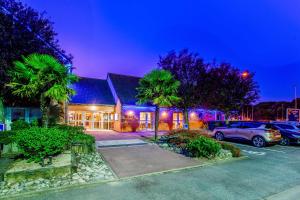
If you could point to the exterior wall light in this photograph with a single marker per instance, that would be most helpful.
(130, 113)
(93, 108)
(164, 114)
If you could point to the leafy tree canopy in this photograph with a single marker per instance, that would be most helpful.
(191, 71)
(41, 76)
(158, 87)
(228, 89)
(23, 31)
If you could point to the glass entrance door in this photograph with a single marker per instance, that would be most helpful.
(88, 120)
(97, 120)
(92, 120)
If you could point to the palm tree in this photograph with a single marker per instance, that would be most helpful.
(160, 88)
(44, 77)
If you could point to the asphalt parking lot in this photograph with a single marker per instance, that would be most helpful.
(274, 151)
(271, 173)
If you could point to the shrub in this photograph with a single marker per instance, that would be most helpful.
(188, 133)
(38, 143)
(133, 123)
(71, 130)
(170, 125)
(76, 135)
(204, 147)
(86, 141)
(35, 123)
(19, 125)
(177, 137)
(236, 152)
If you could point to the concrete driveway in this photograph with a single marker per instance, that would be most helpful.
(143, 159)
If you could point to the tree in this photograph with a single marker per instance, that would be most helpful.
(160, 88)
(41, 76)
(191, 71)
(1, 111)
(228, 89)
(24, 31)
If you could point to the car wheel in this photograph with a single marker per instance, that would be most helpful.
(258, 141)
(285, 141)
(219, 136)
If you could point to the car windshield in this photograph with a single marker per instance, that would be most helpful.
(251, 125)
(285, 126)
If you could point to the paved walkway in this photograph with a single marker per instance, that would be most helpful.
(143, 159)
(113, 135)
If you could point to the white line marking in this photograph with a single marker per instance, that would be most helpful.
(288, 147)
(275, 150)
(255, 152)
(248, 146)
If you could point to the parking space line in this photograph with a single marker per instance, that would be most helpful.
(288, 147)
(258, 153)
(262, 149)
(274, 150)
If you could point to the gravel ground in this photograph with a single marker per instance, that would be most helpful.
(91, 167)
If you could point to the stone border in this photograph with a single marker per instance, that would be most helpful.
(91, 168)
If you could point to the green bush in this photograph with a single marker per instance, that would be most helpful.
(35, 123)
(72, 131)
(76, 135)
(87, 143)
(38, 143)
(181, 136)
(19, 125)
(84, 139)
(236, 152)
(204, 147)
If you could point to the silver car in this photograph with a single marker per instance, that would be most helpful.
(260, 134)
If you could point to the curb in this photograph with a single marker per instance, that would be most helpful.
(96, 182)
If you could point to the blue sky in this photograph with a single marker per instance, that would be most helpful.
(128, 36)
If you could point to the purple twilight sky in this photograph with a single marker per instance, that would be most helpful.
(128, 36)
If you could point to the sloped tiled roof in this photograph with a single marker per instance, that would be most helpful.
(92, 91)
(125, 87)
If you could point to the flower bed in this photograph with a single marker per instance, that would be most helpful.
(51, 166)
(197, 143)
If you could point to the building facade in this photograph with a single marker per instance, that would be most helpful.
(111, 104)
